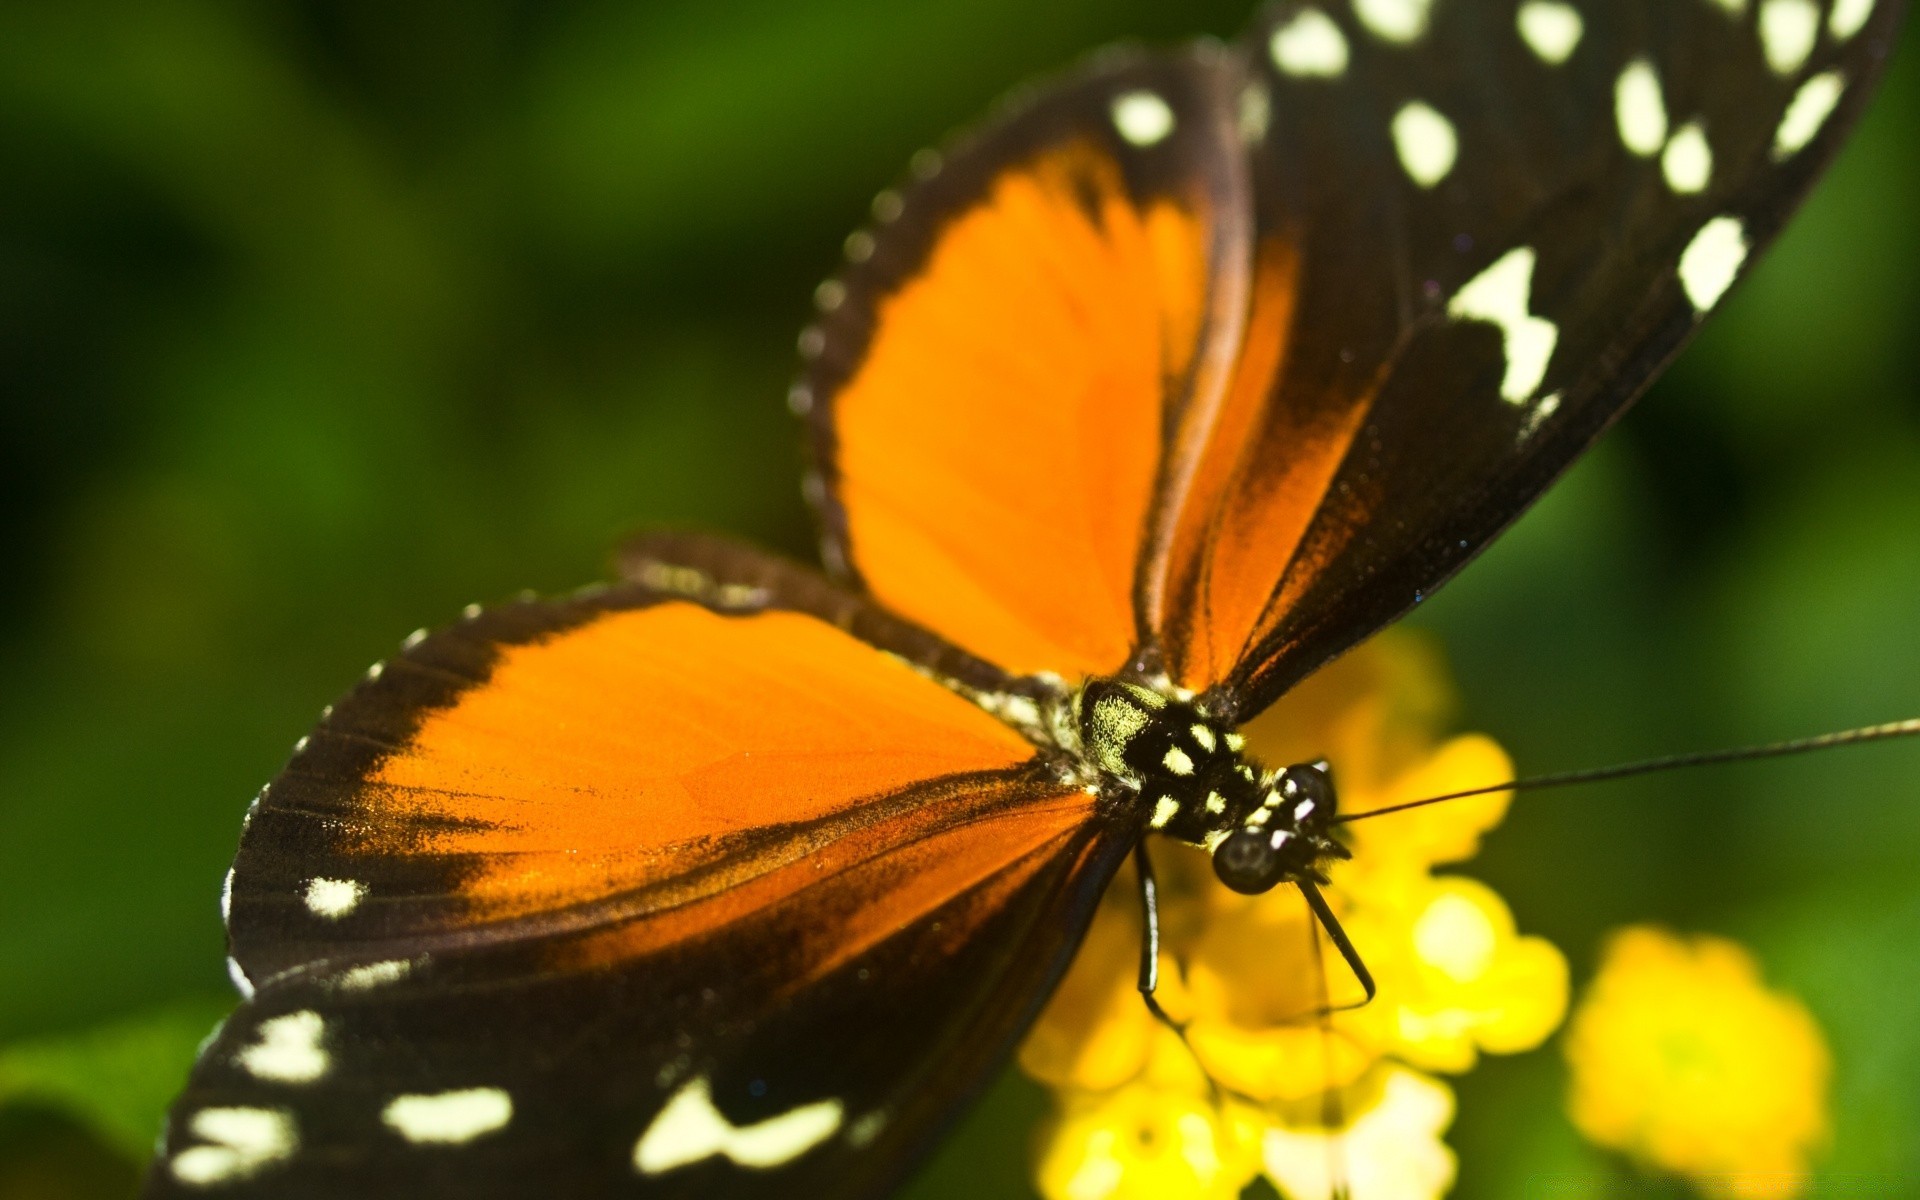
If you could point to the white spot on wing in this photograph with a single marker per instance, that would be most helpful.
(1807, 112)
(1399, 21)
(1639, 110)
(1310, 45)
(1425, 142)
(237, 1143)
(374, 974)
(288, 1049)
(448, 1118)
(1500, 294)
(1142, 117)
(1550, 29)
(1788, 29)
(1848, 18)
(1711, 260)
(1543, 408)
(690, 1129)
(1177, 761)
(333, 898)
(1203, 738)
(1688, 161)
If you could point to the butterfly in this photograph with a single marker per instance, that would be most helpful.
(1181, 375)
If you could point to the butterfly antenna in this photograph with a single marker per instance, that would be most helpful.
(1806, 745)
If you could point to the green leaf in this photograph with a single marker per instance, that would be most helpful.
(118, 1078)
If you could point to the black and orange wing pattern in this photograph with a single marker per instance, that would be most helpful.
(1482, 229)
(650, 891)
(996, 378)
(1195, 367)
(1477, 231)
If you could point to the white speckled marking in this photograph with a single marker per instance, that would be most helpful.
(1639, 110)
(863, 1131)
(288, 1049)
(1309, 46)
(1550, 29)
(374, 974)
(1177, 761)
(690, 1129)
(1400, 21)
(1425, 142)
(333, 898)
(859, 246)
(1164, 810)
(830, 295)
(1142, 117)
(414, 639)
(1688, 160)
(1543, 408)
(1806, 113)
(1711, 260)
(238, 1143)
(1848, 18)
(448, 1118)
(1216, 803)
(1500, 294)
(1788, 29)
(1203, 738)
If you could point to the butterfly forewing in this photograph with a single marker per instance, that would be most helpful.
(1482, 228)
(672, 890)
(998, 376)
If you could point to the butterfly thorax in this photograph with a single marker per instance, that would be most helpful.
(1195, 784)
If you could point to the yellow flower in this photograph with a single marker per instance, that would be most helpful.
(1160, 1136)
(1684, 1059)
(1252, 976)
(1465, 981)
(1392, 1151)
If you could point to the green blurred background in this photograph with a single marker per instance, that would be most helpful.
(320, 320)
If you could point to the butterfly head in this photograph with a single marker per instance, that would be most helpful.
(1194, 784)
(1287, 837)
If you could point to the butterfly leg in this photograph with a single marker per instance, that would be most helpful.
(1324, 914)
(1150, 937)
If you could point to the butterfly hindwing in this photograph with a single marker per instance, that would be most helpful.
(635, 894)
(1481, 229)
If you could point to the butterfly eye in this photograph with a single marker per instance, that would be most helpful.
(1307, 790)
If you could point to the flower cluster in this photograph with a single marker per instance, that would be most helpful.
(1684, 1060)
(1269, 1080)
